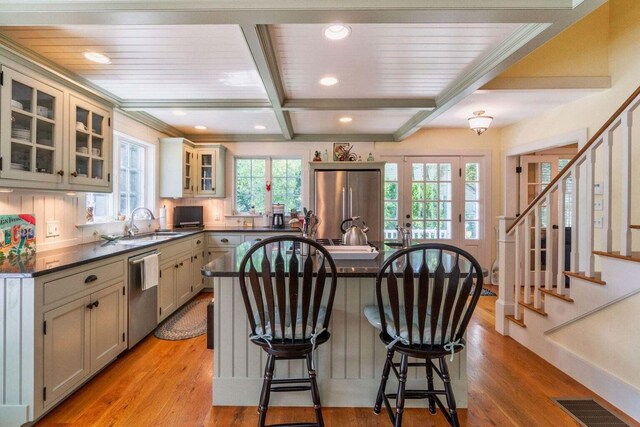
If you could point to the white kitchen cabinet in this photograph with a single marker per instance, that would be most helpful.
(31, 129)
(198, 260)
(66, 348)
(52, 137)
(80, 338)
(167, 290)
(90, 144)
(199, 173)
(184, 284)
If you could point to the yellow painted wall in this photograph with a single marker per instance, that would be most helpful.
(581, 50)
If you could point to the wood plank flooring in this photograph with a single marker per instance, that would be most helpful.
(168, 383)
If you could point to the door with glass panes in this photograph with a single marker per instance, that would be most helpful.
(443, 201)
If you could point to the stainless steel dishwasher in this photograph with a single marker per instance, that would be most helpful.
(143, 305)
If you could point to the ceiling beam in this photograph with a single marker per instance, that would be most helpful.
(264, 56)
(304, 137)
(196, 104)
(359, 104)
(249, 12)
(549, 83)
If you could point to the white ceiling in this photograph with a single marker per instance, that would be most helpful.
(153, 62)
(506, 106)
(233, 65)
(316, 122)
(220, 121)
(381, 60)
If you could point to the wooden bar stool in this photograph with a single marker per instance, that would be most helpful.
(289, 310)
(424, 317)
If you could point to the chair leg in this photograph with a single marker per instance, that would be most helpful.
(432, 400)
(266, 390)
(404, 366)
(383, 381)
(315, 393)
(451, 400)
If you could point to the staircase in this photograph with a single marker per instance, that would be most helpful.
(577, 305)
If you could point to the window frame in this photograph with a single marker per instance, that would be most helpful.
(268, 176)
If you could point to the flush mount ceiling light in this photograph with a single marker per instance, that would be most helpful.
(71, 193)
(200, 127)
(336, 32)
(479, 122)
(260, 127)
(328, 81)
(179, 113)
(97, 57)
(346, 119)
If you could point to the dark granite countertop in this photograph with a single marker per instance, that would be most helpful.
(258, 229)
(227, 265)
(46, 262)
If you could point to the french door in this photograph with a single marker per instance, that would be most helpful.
(443, 200)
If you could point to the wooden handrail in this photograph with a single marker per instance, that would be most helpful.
(575, 158)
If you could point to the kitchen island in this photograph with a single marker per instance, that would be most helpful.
(349, 364)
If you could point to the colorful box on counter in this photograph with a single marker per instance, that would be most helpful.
(17, 235)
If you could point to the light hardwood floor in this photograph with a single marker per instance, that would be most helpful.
(168, 383)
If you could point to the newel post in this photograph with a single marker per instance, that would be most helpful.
(506, 273)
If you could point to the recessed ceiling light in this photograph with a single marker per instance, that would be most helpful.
(200, 127)
(97, 57)
(260, 127)
(179, 113)
(71, 193)
(328, 81)
(346, 119)
(337, 32)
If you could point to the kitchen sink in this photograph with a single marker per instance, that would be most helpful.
(143, 240)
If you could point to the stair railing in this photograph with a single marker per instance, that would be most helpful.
(522, 278)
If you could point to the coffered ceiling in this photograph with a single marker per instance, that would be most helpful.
(249, 71)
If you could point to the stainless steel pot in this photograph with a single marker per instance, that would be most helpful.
(354, 235)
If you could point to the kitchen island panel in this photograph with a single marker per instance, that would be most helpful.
(349, 364)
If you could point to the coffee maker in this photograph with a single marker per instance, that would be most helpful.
(277, 221)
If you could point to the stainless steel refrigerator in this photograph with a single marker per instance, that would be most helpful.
(341, 194)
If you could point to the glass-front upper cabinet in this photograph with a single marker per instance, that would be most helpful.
(90, 162)
(31, 131)
(189, 159)
(207, 172)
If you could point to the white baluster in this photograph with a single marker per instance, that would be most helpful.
(548, 273)
(625, 187)
(537, 255)
(527, 258)
(607, 147)
(575, 201)
(561, 234)
(518, 281)
(588, 233)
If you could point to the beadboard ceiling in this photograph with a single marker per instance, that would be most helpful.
(231, 66)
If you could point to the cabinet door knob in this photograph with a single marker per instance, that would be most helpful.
(176, 266)
(224, 240)
(258, 240)
(195, 257)
(90, 306)
(91, 278)
(74, 174)
(61, 172)
(198, 242)
(181, 264)
(97, 303)
(209, 253)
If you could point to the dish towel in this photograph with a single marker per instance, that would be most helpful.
(150, 271)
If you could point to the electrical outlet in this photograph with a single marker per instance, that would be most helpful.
(597, 188)
(597, 222)
(53, 228)
(597, 205)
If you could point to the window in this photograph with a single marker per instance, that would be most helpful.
(133, 184)
(391, 201)
(472, 201)
(252, 175)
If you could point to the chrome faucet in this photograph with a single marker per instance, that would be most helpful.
(130, 228)
(405, 232)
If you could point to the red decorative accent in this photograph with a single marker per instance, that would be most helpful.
(268, 186)
(29, 218)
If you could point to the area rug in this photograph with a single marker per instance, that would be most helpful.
(485, 293)
(188, 322)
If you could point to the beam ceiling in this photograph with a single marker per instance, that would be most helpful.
(540, 20)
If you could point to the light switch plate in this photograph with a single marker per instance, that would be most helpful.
(597, 205)
(597, 222)
(53, 228)
(597, 188)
